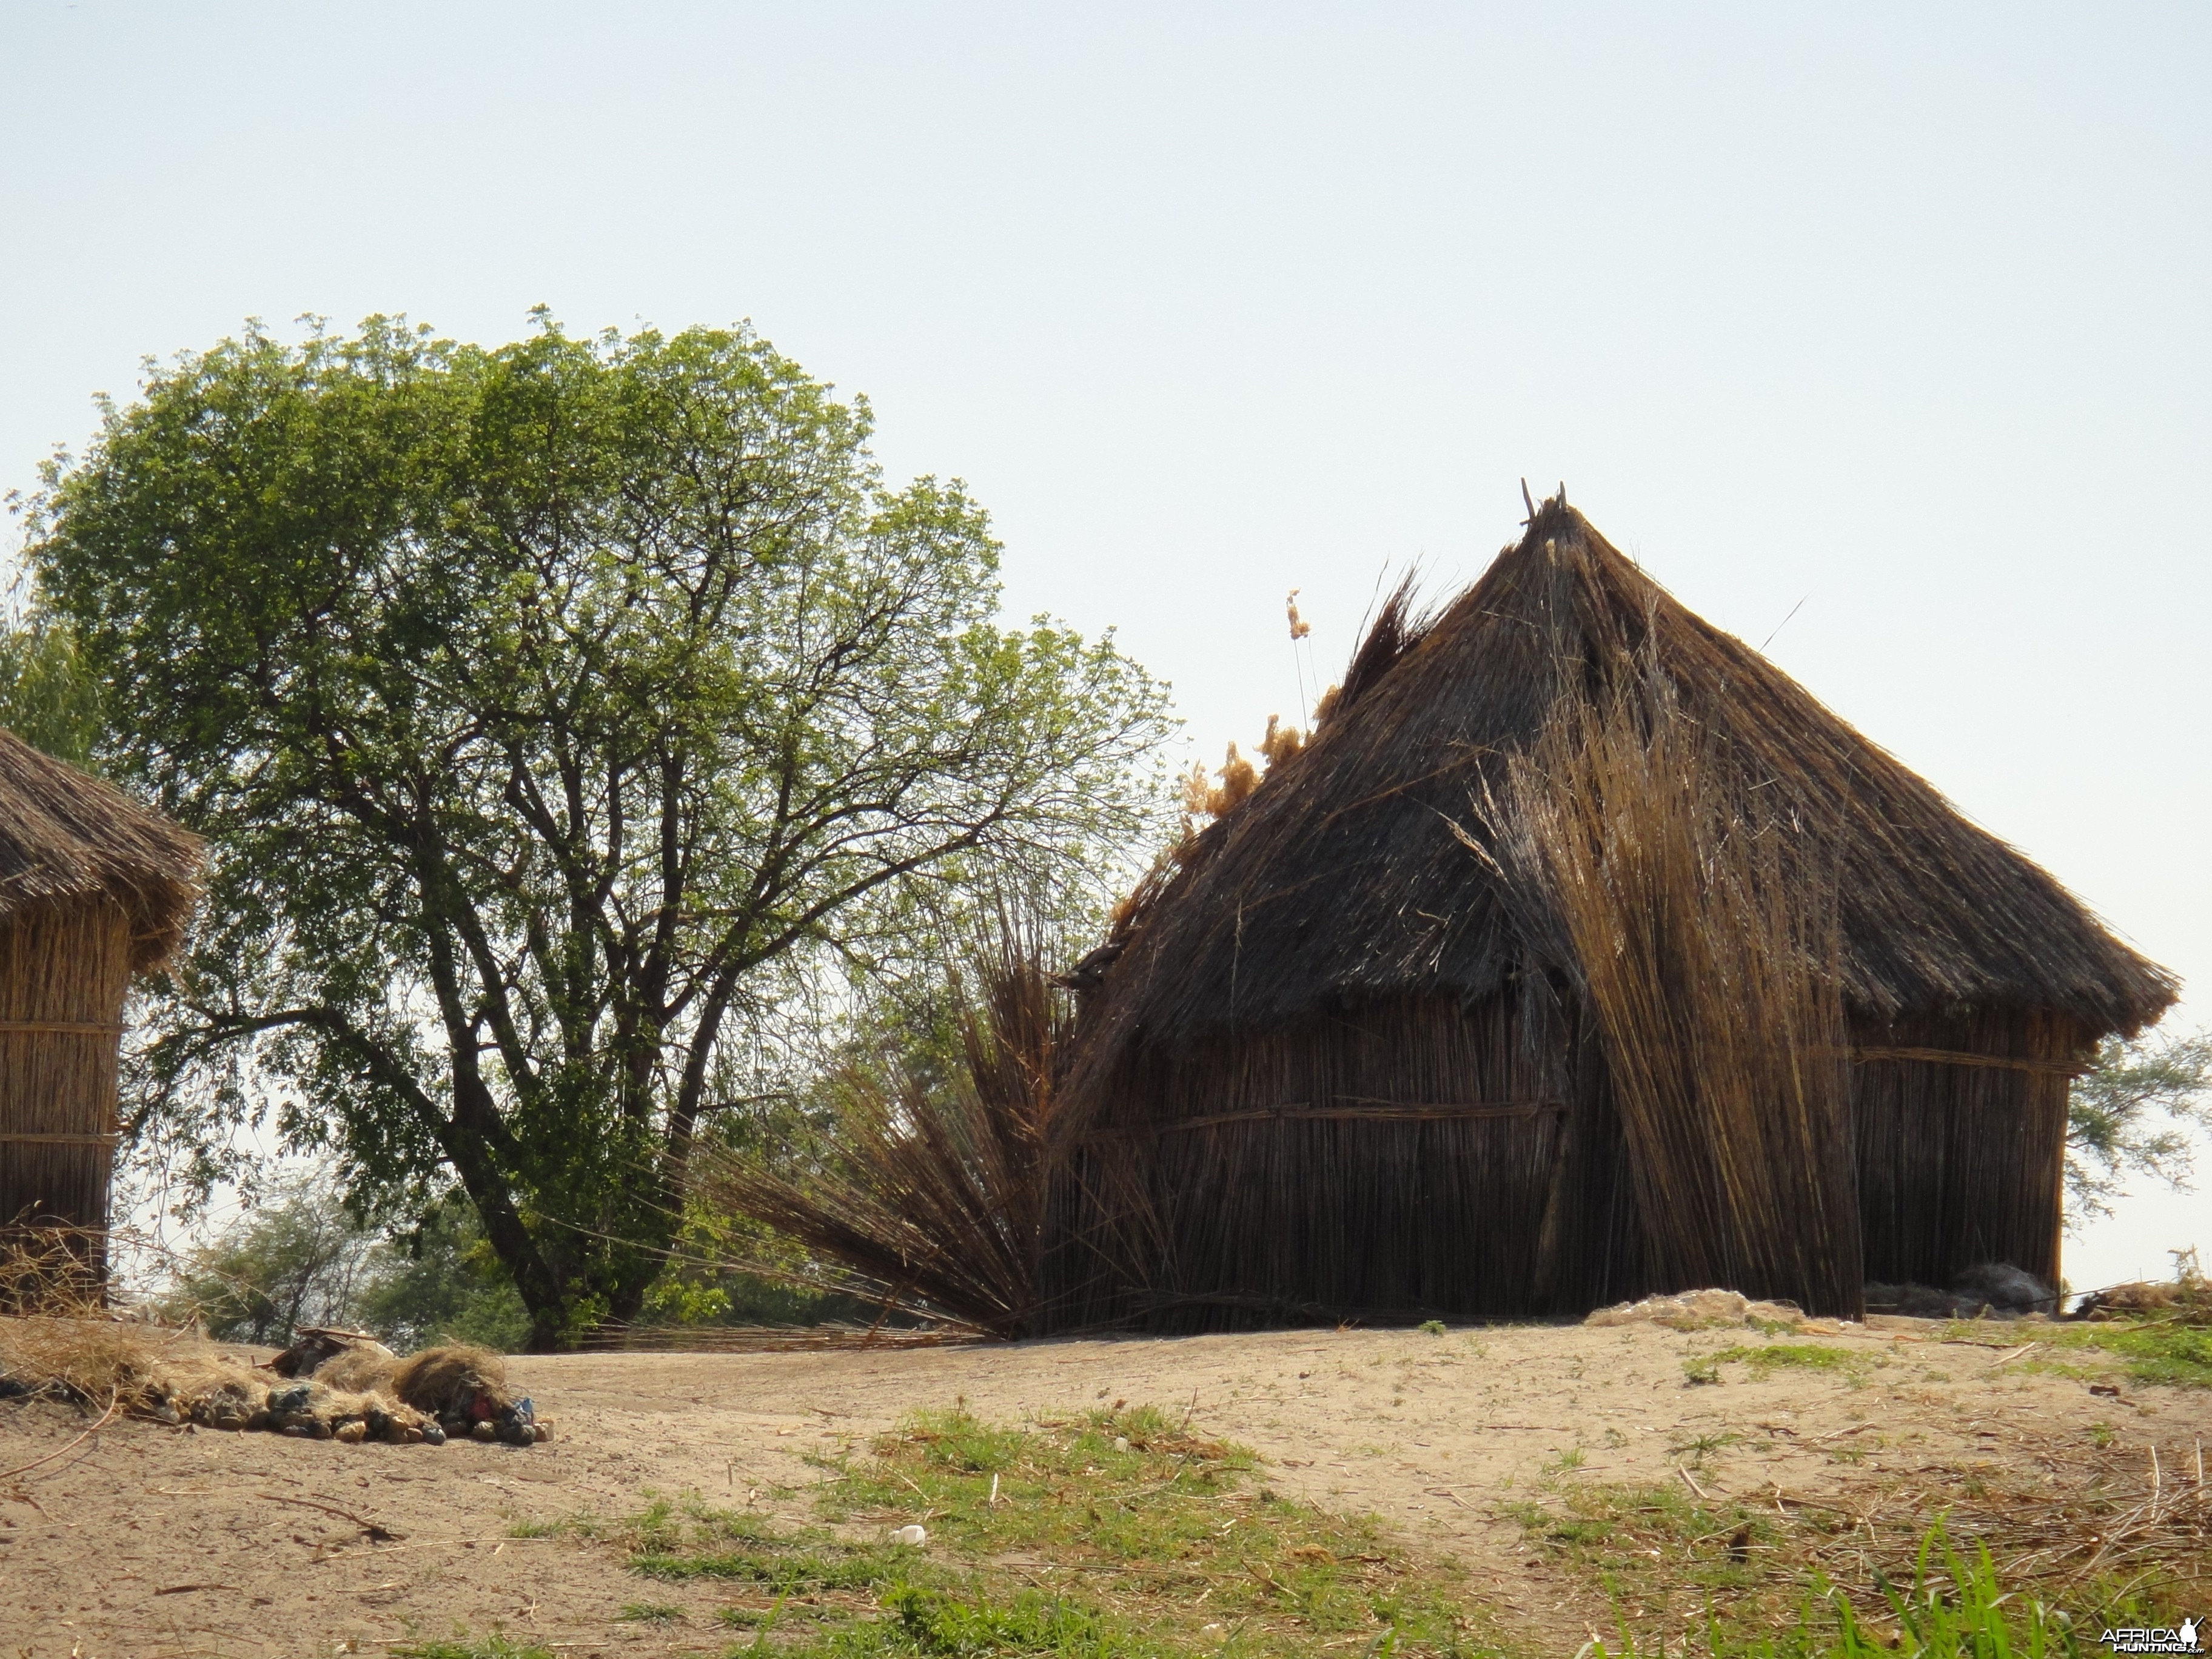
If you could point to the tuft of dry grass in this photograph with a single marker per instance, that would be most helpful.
(1281, 742)
(52, 1270)
(59, 1337)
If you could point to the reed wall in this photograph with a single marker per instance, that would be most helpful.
(1407, 1162)
(1418, 1160)
(65, 968)
(1961, 1163)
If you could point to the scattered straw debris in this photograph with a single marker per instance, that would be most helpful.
(2186, 1298)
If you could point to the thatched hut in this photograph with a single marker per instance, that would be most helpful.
(1580, 955)
(94, 891)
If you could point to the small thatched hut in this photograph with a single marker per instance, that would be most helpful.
(1580, 955)
(93, 890)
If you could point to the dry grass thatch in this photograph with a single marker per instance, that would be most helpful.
(98, 1361)
(932, 1199)
(1343, 878)
(57, 1338)
(65, 834)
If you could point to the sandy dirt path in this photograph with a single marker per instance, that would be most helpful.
(141, 1542)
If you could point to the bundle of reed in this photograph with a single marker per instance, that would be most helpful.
(931, 1201)
(1707, 944)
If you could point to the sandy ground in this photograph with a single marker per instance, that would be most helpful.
(143, 1542)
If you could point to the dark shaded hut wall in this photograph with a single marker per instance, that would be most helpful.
(1348, 1065)
(94, 891)
(1960, 1124)
(1405, 1161)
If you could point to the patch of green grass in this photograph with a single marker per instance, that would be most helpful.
(1808, 1356)
(1649, 1545)
(1698, 1447)
(1110, 1533)
(1431, 1327)
(1765, 1358)
(943, 1626)
(749, 1617)
(2156, 1348)
(649, 1613)
(783, 1572)
(489, 1647)
(2152, 1350)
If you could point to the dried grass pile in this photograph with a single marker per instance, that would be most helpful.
(329, 1385)
(125, 1368)
(931, 1199)
(1705, 1309)
(2185, 1299)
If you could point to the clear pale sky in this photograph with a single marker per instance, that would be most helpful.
(1899, 315)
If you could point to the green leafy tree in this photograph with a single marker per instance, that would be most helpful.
(560, 714)
(440, 1283)
(2133, 1112)
(296, 1258)
(48, 697)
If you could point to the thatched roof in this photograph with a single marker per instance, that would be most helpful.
(64, 834)
(1344, 878)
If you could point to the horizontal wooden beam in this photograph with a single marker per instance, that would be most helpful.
(1962, 1057)
(1354, 1108)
